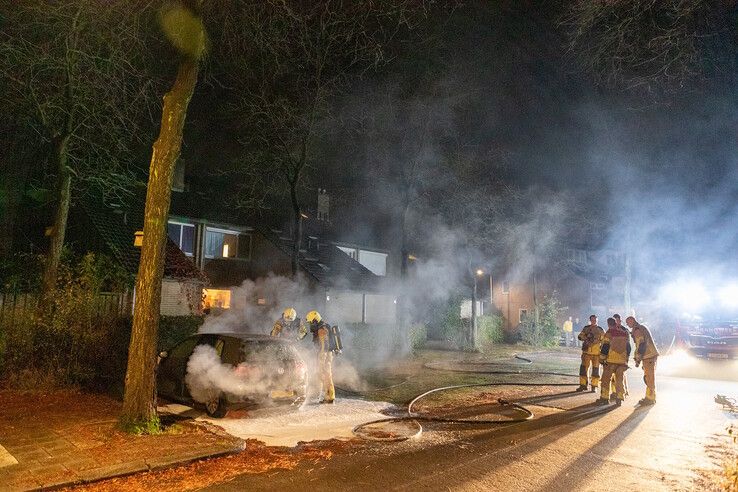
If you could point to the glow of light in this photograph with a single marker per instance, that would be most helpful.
(691, 295)
(327, 298)
(728, 295)
(225, 251)
(480, 272)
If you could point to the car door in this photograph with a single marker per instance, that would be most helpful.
(170, 376)
(214, 341)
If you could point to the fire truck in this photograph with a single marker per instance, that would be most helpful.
(709, 339)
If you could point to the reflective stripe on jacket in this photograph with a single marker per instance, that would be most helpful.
(645, 346)
(591, 337)
(615, 347)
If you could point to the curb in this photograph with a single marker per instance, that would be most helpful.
(147, 468)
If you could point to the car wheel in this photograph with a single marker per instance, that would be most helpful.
(216, 408)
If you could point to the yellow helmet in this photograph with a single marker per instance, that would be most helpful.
(289, 314)
(313, 316)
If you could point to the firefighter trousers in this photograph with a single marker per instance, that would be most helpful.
(649, 377)
(610, 370)
(325, 363)
(587, 361)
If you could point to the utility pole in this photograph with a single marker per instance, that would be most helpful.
(626, 289)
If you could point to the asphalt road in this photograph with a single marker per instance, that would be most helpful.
(571, 445)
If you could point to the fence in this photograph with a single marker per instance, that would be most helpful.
(14, 305)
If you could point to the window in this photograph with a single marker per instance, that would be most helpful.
(183, 235)
(374, 262)
(221, 243)
(523, 315)
(505, 286)
(216, 298)
(597, 285)
(352, 252)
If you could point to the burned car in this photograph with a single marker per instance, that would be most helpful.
(222, 371)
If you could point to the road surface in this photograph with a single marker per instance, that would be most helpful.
(571, 445)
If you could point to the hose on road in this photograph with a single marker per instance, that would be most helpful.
(416, 417)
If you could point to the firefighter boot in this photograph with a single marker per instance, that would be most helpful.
(581, 388)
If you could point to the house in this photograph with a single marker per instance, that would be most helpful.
(111, 230)
(348, 282)
(586, 281)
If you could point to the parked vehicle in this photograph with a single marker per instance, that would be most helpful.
(274, 362)
(711, 339)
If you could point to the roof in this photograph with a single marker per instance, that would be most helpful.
(116, 229)
(328, 265)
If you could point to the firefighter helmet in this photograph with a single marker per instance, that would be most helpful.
(313, 316)
(289, 314)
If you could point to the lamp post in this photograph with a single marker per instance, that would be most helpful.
(478, 273)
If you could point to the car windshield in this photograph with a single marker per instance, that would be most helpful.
(263, 353)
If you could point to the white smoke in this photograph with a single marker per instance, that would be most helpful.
(208, 378)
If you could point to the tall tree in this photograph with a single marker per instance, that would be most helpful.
(71, 68)
(654, 48)
(288, 62)
(183, 26)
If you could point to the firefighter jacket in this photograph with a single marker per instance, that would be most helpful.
(615, 347)
(321, 337)
(645, 348)
(294, 328)
(591, 338)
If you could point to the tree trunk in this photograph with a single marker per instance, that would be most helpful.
(297, 225)
(59, 228)
(139, 401)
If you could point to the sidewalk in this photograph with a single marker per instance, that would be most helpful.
(65, 437)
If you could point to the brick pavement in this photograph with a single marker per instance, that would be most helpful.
(62, 438)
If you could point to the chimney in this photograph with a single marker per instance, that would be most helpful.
(323, 205)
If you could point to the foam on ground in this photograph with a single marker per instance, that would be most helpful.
(311, 422)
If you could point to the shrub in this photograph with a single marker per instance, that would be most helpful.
(77, 339)
(490, 329)
(173, 329)
(544, 331)
(417, 336)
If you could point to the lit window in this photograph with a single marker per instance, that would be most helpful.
(183, 235)
(226, 244)
(216, 298)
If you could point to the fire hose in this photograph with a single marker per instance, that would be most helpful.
(416, 417)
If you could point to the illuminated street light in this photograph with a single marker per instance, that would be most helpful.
(480, 272)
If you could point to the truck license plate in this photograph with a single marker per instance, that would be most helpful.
(717, 355)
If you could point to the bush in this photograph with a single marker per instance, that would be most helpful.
(173, 329)
(545, 331)
(417, 336)
(76, 339)
(367, 345)
(490, 329)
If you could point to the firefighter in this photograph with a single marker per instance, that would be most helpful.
(645, 353)
(614, 355)
(289, 324)
(591, 338)
(321, 337)
(619, 323)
